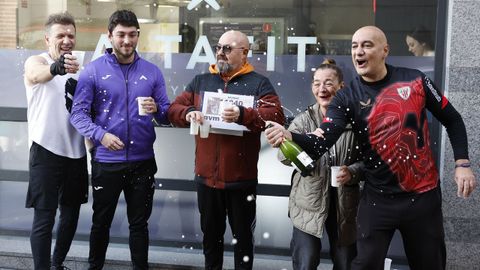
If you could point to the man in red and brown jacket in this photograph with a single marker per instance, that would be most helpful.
(226, 165)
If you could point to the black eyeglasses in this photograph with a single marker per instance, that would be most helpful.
(225, 48)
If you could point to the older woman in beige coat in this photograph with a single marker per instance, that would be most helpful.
(314, 203)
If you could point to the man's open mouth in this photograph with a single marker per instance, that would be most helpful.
(361, 63)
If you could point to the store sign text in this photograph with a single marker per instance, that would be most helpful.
(203, 52)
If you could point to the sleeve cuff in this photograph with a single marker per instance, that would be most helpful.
(240, 117)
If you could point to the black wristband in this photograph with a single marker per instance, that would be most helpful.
(190, 109)
(463, 165)
(240, 116)
(58, 67)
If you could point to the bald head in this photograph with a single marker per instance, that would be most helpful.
(373, 32)
(235, 38)
(369, 52)
(234, 52)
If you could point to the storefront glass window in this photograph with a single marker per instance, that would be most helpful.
(289, 38)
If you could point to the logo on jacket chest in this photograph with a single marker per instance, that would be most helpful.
(366, 104)
(404, 92)
(142, 77)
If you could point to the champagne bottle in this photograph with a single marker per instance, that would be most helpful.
(299, 158)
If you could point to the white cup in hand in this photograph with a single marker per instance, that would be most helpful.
(204, 129)
(141, 110)
(334, 170)
(80, 55)
(194, 126)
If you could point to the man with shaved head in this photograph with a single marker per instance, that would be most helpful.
(226, 165)
(387, 108)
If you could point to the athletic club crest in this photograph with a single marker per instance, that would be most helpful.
(404, 92)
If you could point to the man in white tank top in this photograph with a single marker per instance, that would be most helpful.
(58, 164)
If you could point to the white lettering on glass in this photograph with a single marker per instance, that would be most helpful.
(203, 53)
(271, 54)
(168, 47)
(209, 57)
(302, 45)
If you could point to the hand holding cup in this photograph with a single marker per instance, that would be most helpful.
(146, 105)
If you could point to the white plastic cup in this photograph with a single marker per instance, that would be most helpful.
(335, 170)
(388, 264)
(204, 129)
(194, 127)
(80, 57)
(141, 110)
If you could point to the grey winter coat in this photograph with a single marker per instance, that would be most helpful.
(309, 196)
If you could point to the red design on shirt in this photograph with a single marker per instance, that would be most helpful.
(398, 132)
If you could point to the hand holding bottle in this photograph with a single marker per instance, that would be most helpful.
(301, 161)
(276, 133)
(292, 151)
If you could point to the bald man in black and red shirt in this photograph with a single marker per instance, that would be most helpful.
(387, 107)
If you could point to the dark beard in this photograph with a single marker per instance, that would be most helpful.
(224, 68)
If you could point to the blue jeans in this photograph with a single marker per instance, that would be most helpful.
(306, 250)
(306, 247)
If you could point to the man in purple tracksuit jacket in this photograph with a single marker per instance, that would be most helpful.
(105, 110)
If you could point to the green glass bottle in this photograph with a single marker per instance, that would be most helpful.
(299, 158)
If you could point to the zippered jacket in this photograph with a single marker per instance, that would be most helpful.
(106, 101)
(227, 161)
(310, 196)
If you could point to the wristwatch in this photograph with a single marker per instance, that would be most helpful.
(463, 165)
